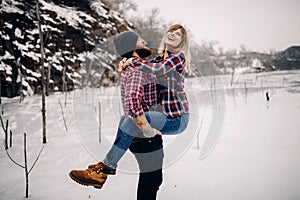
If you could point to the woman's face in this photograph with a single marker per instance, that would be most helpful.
(173, 39)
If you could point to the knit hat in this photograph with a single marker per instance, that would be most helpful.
(125, 43)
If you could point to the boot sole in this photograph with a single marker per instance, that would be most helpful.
(83, 183)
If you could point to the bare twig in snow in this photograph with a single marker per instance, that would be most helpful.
(62, 113)
(99, 122)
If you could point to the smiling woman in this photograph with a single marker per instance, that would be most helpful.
(173, 38)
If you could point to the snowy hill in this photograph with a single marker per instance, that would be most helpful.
(71, 31)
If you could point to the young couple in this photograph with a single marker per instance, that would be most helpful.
(154, 104)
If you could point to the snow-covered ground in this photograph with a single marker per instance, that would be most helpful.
(238, 146)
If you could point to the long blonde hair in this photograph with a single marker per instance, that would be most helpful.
(184, 45)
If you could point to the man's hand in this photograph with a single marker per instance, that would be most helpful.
(145, 127)
(157, 132)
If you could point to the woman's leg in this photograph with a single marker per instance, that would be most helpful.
(126, 131)
(167, 125)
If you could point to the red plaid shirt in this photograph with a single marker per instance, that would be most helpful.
(138, 92)
(170, 76)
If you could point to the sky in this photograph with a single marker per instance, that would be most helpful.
(260, 25)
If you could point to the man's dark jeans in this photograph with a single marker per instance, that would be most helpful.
(149, 155)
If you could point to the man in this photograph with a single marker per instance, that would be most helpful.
(138, 93)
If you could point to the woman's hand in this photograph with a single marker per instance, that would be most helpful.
(124, 63)
(128, 62)
(121, 66)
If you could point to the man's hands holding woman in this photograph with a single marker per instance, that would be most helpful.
(144, 126)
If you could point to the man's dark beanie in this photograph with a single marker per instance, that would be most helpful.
(125, 43)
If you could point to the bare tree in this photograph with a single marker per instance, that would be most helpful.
(5, 130)
(64, 89)
(25, 165)
(18, 64)
(42, 73)
(48, 78)
(0, 89)
(99, 122)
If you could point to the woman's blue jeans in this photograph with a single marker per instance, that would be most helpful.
(127, 130)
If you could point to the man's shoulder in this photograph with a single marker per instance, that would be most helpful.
(131, 72)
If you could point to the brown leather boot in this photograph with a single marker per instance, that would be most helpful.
(89, 177)
(100, 166)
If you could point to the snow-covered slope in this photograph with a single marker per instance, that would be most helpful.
(71, 32)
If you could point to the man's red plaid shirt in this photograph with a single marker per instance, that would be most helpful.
(138, 92)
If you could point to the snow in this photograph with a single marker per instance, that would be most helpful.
(76, 75)
(31, 54)
(58, 67)
(50, 28)
(8, 71)
(255, 155)
(18, 33)
(29, 91)
(34, 74)
(33, 31)
(21, 47)
(8, 79)
(48, 19)
(28, 78)
(5, 37)
(7, 55)
(10, 6)
(82, 56)
(8, 25)
(98, 6)
(69, 14)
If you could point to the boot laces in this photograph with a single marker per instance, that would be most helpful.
(98, 168)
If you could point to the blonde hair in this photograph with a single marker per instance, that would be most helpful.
(184, 45)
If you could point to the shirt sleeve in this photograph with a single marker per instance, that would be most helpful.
(174, 62)
(133, 93)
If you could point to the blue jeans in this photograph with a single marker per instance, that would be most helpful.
(127, 130)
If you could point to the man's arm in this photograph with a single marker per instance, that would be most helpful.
(144, 126)
(133, 96)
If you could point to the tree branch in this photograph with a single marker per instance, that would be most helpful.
(36, 159)
(13, 159)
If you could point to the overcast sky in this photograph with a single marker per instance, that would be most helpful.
(260, 25)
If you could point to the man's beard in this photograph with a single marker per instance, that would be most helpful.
(144, 52)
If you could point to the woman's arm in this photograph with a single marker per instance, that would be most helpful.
(173, 62)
